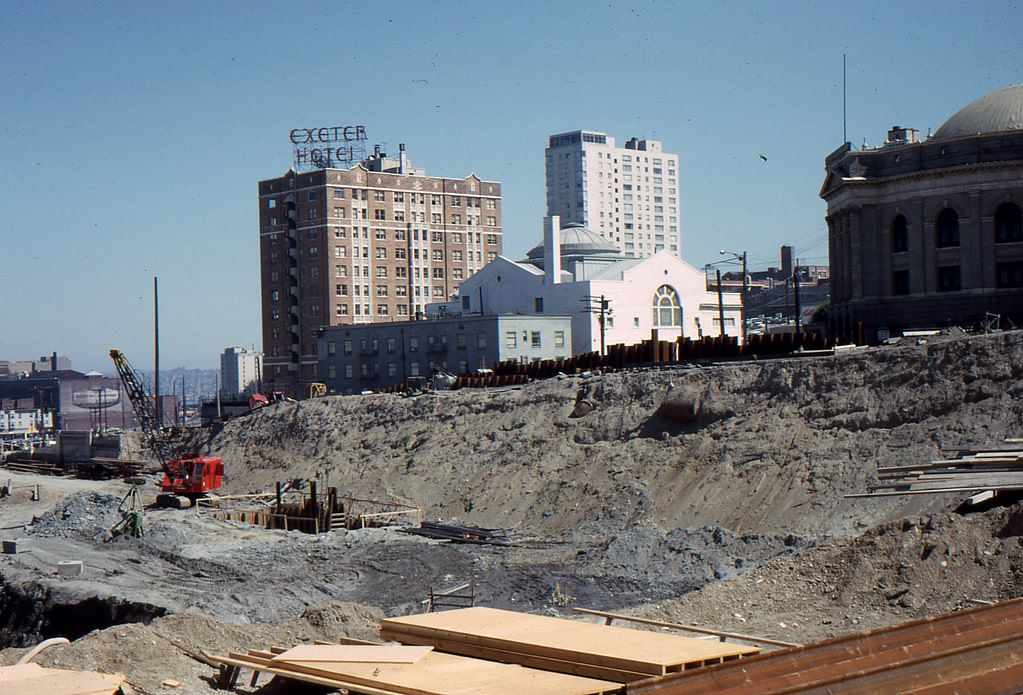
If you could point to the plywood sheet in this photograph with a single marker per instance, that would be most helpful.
(437, 673)
(378, 654)
(33, 678)
(571, 640)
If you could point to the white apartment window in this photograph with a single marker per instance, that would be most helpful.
(511, 339)
(332, 371)
(272, 203)
(559, 338)
(340, 252)
(339, 193)
(534, 339)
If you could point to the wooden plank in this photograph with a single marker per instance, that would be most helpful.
(567, 640)
(435, 674)
(380, 654)
(690, 628)
(33, 678)
(510, 657)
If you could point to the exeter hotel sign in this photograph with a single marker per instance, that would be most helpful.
(331, 146)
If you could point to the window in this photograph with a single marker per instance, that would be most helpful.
(492, 239)
(340, 252)
(511, 339)
(900, 282)
(401, 272)
(438, 273)
(342, 310)
(332, 371)
(399, 215)
(481, 340)
(401, 291)
(348, 371)
(413, 344)
(413, 369)
(436, 218)
(402, 310)
(400, 253)
(900, 234)
(381, 252)
(399, 197)
(1009, 274)
(380, 214)
(341, 290)
(271, 203)
(339, 193)
(1008, 224)
(455, 200)
(312, 195)
(381, 271)
(311, 214)
(949, 279)
(946, 228)
(538, 305)
(379, 195)
(275, 314)
(456, 219)
(491, 221)
(392, 369)
(534, 339)
(491, 204)
(559, 339)
(399, 235)
(382, 309)
(667, 307)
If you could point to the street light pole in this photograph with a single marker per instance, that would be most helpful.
(742, 294)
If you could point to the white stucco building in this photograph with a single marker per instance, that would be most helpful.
(640, 295)
(627, 195)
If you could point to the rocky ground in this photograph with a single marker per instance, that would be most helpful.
(703, 494)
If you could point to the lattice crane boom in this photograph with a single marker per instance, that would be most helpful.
(142, 402)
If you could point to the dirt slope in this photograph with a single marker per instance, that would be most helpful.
(767, 447)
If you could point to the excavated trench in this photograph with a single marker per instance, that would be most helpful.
(31, 612)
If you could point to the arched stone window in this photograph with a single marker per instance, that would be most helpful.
(946, 228)
(900, 234)
(1008, 223)
(667, 308)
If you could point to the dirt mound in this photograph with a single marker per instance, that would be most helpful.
(765, 447)
(171, 647)
(896, 572)
(85, 515)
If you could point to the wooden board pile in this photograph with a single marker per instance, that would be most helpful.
(397, 669)
(982, 471)
(555, 644)
(33, 678)
(485, 650)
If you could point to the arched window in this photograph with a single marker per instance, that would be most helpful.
(667, 308)
(1008, 223)
(900, 234)
(946, 228)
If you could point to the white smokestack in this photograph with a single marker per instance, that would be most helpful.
(552, 249)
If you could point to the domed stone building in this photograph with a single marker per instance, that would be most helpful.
(929, 233)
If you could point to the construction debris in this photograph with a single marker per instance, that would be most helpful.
(461, 534)
(985, 472)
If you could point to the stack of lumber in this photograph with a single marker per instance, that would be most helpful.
(403, 670)
(33, 678)
(461, 534)
(970, 470)
(556, 644)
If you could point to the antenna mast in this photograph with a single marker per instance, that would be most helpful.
(845, 137)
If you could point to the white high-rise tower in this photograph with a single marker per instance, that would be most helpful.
(628, 195)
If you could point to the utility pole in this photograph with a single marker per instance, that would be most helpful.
(156, 353)
(742, 299)
(602, 306)
(721, 304)
(795, 285)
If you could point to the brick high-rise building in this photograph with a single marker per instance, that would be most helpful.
(368, 244)
(628, 195)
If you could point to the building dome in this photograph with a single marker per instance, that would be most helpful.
(996, 112)
(578, 242)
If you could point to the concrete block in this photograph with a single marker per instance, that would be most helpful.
(70, 568)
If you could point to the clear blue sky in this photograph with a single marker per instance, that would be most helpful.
(132, 135)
